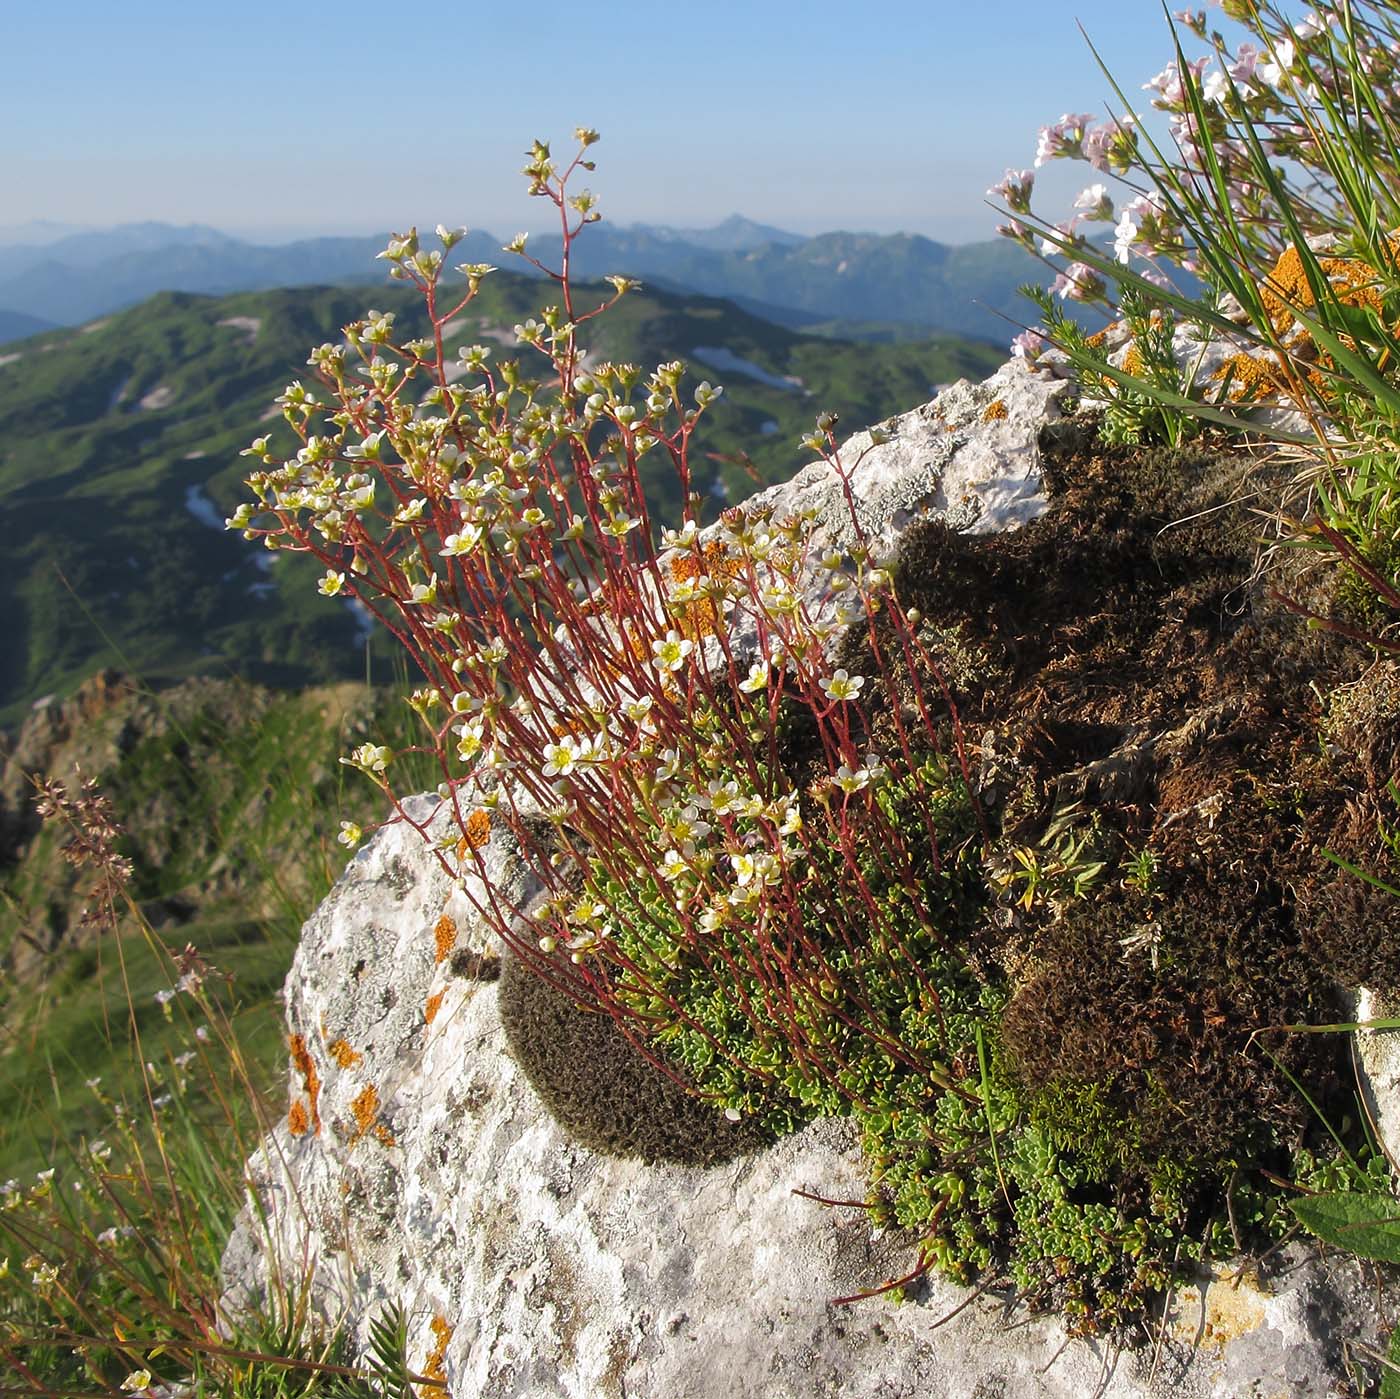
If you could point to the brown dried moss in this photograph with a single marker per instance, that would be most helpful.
(601, 1090)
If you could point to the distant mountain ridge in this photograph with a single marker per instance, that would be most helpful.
(900, 279)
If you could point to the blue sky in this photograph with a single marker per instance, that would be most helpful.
(281, 120)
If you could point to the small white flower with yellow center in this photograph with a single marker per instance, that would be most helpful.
(137, 1380)
(638, 710)
(673, 866)
(563, 757)
(722, 797)
(851, 780)
(682, 538)
(792, 819)
(369, 757)
(713, 918)
(669, 656)
(757, 678)
(586, 911)
(779, 598)
(687, 828)
(410, 511)
(669, 765)
(331, 584)
(686, 590)
(745, 868)
(470, 738)
(350, 835)
(842, 686)
(463, 542)
(424, 594)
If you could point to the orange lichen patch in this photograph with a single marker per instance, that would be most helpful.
(475, 833)
(365, 1108)
(383, 1136)
(442, 1334)
(434, 1004)
(1250, 376)
(343, 1055)
(1287, 289)
(297, 1120)
(1132, 362)
(994, 411)
(444, 938)
(701, 617)
(310, 1078)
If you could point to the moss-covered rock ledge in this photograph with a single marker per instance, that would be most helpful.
(1156, 760)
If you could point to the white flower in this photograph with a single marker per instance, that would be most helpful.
(369, 757)
(350, 835)
(687, 828)
(563, 757)
(461, 543)
(713, 919)
(470, 738)
(670, 655)
(842, 686)
(757, 678)
(137, 1379)
(851, 781)
(1124, 236)
(331, 584)
(682, 538)
(722, 797)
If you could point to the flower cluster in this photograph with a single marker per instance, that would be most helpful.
(622, 697)
(1223, 110)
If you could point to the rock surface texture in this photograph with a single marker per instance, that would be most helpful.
(417, 1167)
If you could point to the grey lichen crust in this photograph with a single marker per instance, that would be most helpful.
(417, 1167)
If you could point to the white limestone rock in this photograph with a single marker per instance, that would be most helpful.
(560, 1272)
(417, 1166)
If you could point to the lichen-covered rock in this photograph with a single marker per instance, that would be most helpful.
(416, 1165)
(426, 1172)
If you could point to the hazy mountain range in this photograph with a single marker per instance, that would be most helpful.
(867, 285)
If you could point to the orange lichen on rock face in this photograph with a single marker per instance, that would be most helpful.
(365, 1109)
(1132, 361)
(310, 1078)
(476, 833)
(1249, 376)
(434, 1004)
(444, 938)
(1286, 289)
(343, 1055)
(432, 1366)
(700, 618)
(994, 411)
(297, 1120)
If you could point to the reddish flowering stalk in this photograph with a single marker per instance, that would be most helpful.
(615, 700)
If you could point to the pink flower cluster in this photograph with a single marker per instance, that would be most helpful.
(1266, 93)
